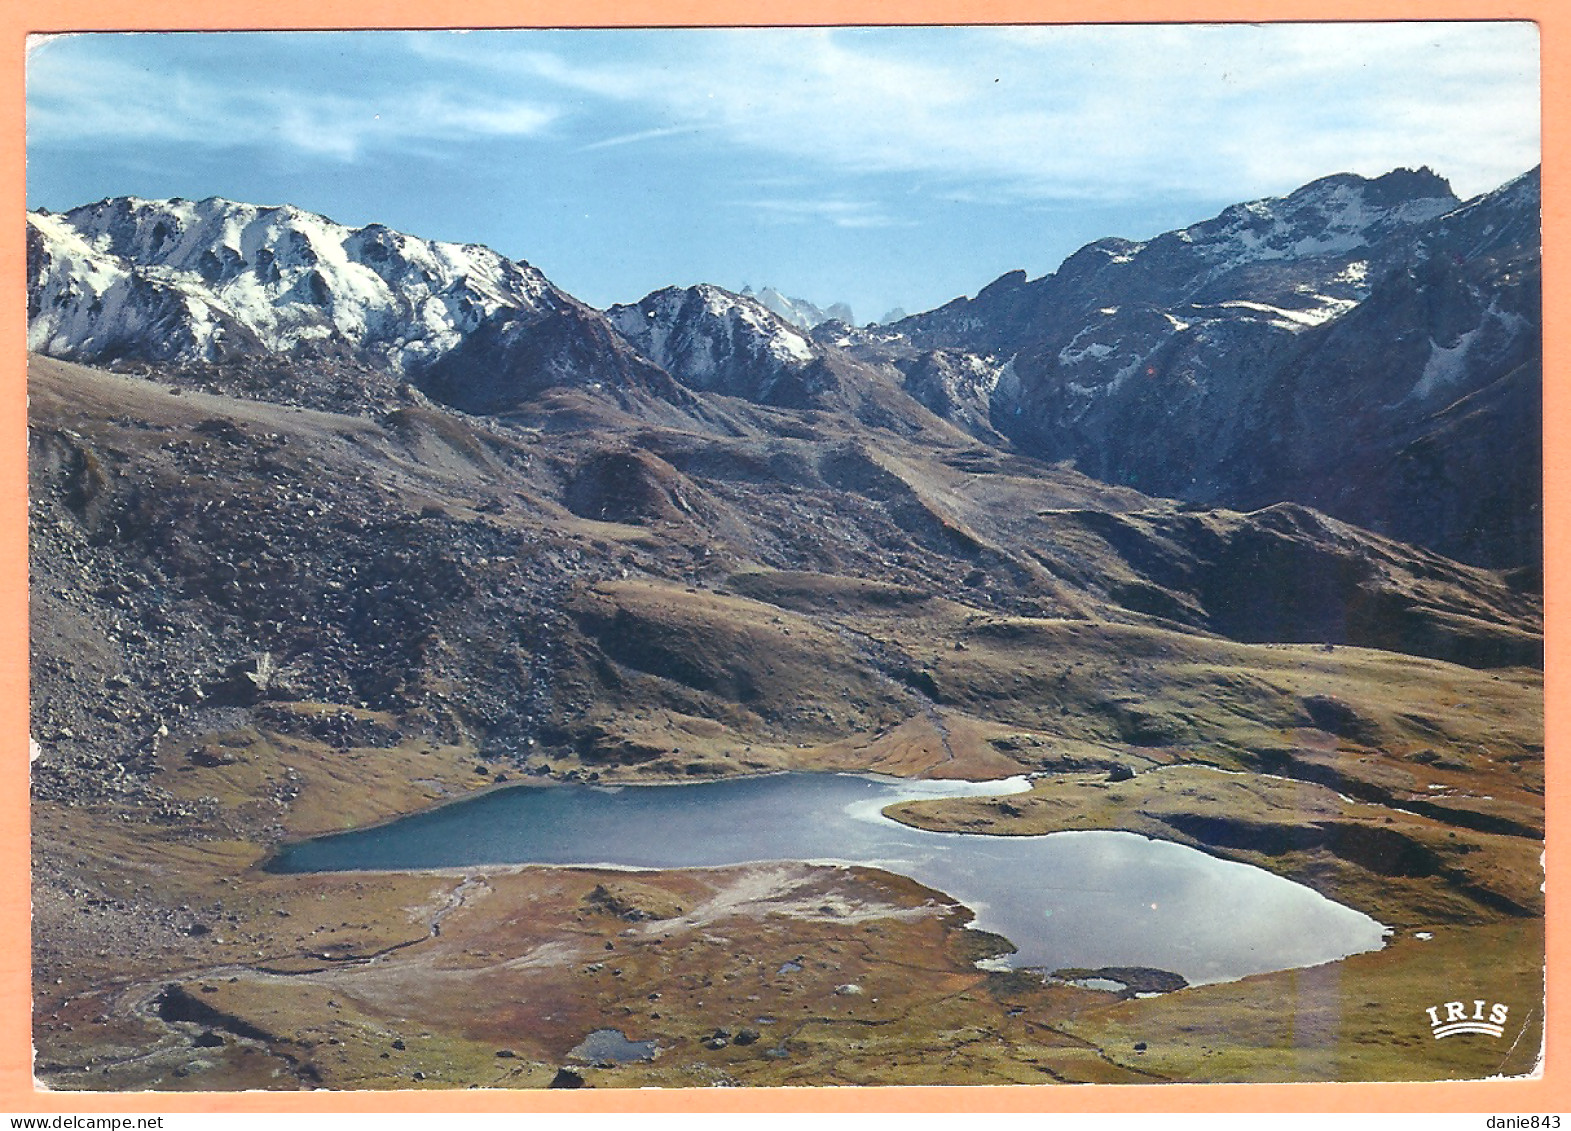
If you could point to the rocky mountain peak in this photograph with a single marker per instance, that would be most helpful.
(1329, 216)
(220, 277)
(711, 339)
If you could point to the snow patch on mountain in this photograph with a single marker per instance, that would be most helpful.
(1293, 319)
(1096, 351)
(1449, 366)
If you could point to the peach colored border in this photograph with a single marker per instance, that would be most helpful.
(1550, 1093)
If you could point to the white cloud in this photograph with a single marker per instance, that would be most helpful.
(838, 212)
(637, 136)
(1077, 111)
(116, 99)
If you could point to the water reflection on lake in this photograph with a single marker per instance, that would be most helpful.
(1084, 899)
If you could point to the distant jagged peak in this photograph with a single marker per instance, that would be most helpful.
(800, 312)
(700, 301)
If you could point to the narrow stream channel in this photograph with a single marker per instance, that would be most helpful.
(1081, 899)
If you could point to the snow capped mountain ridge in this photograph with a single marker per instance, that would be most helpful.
(1309, 255)
(1330, 216)
(228, 275)
(1324, 236)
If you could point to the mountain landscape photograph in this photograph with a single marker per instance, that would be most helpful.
(768, 557)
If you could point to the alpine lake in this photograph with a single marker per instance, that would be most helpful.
(1082, 901)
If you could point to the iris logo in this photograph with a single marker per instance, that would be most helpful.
(1459, 1019)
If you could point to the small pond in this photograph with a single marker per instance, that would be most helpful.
(611, 1046)
(1074, 899)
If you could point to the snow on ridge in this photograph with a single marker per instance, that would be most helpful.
(1096, 351)
(72, 286)
(1120, 255)
(86, 303)
(1521, 191)
(289, 276)
(1335, 216)
(1355, 273)
(1327, 220)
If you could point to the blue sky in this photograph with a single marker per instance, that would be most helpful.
(880, 167)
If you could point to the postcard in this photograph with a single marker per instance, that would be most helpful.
(976, 553)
